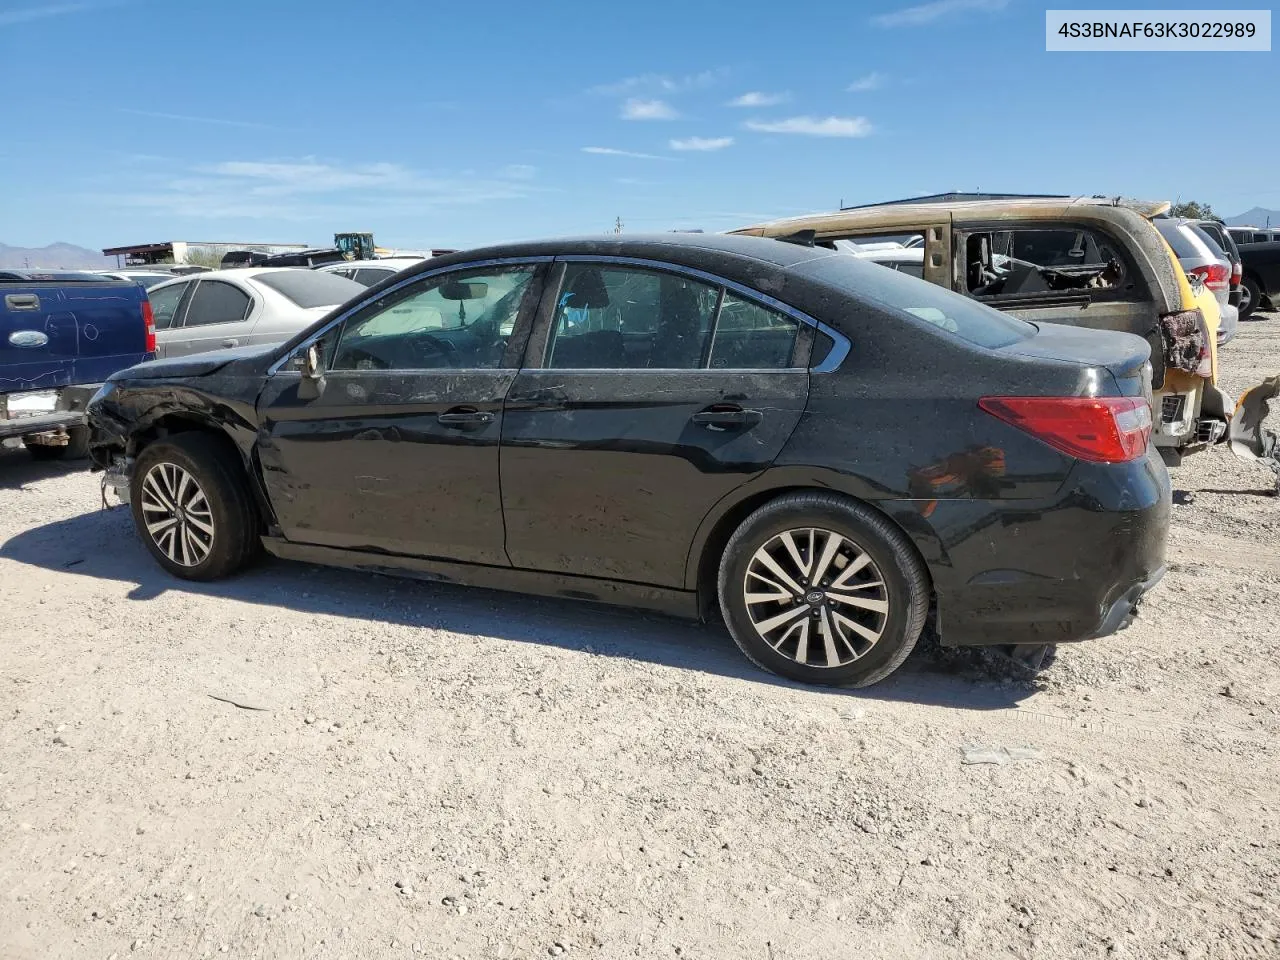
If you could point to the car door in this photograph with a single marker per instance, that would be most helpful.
(399, 452)
(218, 314)
(647, 395)
(167, 304)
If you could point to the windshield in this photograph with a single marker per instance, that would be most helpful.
(311, 288)
(925, 301)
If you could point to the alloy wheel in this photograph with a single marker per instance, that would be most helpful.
(177, 514)
(816, 597)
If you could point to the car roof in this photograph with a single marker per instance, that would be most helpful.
(687, 249)
(893, 215)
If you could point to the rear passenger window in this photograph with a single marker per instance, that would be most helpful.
(164, 304)
(216, 302)
(619, 318)
(752, 337)
(1044, 263)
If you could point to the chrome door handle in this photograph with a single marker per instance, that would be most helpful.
(231, 342)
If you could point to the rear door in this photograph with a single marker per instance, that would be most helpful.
(647, 395)
(218, 314)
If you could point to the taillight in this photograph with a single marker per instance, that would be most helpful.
(148, 325)
(1215, 276)
(1237, 272)
(1097, 429)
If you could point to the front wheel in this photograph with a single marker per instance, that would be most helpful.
(822, 589)
(192, 507)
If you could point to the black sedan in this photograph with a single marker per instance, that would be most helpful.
(825, 451)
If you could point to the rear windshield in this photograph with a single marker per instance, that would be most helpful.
(311, 288)
(1183, 246)
(926, 301)
(1208, 240)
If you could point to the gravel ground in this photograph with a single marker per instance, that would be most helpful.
(304, 762)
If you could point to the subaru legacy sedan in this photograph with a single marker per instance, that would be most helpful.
(824, 452)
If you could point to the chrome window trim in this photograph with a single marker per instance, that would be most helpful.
(365, 301)
(836, 356)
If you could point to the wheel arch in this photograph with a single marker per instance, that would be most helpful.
(707, 547)
(176, 422)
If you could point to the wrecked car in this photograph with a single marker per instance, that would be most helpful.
(1087, 262)
(820, 450)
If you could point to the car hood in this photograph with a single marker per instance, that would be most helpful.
(195, 365)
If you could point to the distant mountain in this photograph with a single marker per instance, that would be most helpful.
(64, 255)
(1257, 217)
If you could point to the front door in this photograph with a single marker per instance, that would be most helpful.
(648, 396)
(399, 452)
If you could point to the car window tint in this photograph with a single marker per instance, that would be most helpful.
(752, 337)
(460, 319)
(310, 288)
(1042, 263)
(624, 318)
(216, 302)
(369, 277)
(949, 311)
(164, 304)
(1208, 240)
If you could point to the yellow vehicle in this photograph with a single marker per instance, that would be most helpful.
(1083, 261)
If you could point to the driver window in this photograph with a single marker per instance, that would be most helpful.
(461, 320)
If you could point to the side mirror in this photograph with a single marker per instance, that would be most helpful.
(311, 366)
(311, 361)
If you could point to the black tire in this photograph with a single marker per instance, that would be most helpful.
(1255, 297)
(900, 568)
(215, 467)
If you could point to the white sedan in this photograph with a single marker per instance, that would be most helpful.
(234, 308)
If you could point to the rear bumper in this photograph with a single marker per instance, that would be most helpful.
(1056, 571)
(68, 411)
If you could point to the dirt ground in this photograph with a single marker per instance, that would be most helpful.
(304, 762)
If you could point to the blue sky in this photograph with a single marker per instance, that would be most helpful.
(434, 123)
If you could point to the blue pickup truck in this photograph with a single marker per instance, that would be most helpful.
(61, 335)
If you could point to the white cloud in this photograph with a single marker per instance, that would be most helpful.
(702, 143)
(814, 126)
(519, 171)
(27, 14)
(872, 81)
(757, 99)
(186, 118)
(615, 152)
(637, 109)
(310, 189)
(659, 83)
(929, 12)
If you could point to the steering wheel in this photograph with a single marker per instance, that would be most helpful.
(427, 348)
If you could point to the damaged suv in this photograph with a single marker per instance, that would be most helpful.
(1086, 262)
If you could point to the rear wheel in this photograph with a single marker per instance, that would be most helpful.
(822, 589)
(1250, 297)
(192, 507)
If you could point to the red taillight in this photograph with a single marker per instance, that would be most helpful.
(1098, 429)
(149, 325)
(1215, 276)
